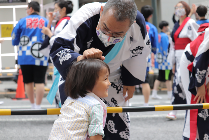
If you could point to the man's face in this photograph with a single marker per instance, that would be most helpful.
(110, 26)
(29, 10)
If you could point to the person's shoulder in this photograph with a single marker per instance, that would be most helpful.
(90, 8)
(140, 21)
(191, 21)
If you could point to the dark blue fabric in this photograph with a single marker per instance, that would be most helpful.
(202, 63)
(141, 22)
(128, 79)
(176, 26)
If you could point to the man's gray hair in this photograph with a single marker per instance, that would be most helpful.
(123, 9)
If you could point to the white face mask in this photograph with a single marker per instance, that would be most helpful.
(56, 15)
(180, 12)
(106, 40)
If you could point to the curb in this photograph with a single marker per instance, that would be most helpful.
(13, 94)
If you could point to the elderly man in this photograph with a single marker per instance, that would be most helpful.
(116, 33)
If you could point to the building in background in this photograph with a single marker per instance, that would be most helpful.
(11, 11)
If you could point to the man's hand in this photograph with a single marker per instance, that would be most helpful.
(200, 97)
(1, 41)
(130, 90)
(91, 53)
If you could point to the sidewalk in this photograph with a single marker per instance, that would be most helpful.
(5, 87)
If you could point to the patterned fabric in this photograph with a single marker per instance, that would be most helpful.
(161, 54)
(194, 73)
(127, 67)
(27, 34)
(80, 118)
(189, 30)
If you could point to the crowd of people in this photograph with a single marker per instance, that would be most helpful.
(103, 53)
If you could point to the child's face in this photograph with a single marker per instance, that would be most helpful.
(102, 84)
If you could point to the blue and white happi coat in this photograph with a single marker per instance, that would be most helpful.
(162, 52)
(153, 35)
(189, 31)
(194, 73)
(28, 36)
(127, 60)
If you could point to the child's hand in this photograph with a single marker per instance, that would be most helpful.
(200, 97)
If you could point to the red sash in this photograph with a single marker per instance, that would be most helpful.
(68, 18)
(180, 43)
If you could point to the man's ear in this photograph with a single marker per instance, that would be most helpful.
(101, 10)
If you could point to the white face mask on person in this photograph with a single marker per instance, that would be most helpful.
(180, 12)
(106, 40)
(56, 15)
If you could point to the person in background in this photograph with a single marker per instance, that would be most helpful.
(147, 12)
(165, 69)
(61, 9)
(184, 31)
(201, 12)
(195, 79)
(27, 35)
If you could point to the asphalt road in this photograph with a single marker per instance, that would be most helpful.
(144, 125)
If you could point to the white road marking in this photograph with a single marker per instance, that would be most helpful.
(26, 107)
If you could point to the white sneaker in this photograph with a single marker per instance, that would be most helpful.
(156, 97)
(171, 116)
(1, 102)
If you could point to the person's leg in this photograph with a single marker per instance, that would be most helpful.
(27, 72)
(169, 88)
(39, 93)
(155, 89)
(146, 93)
(29, 89)
(157, 84)
(39, 80)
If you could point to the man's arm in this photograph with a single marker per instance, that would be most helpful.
(16, 34)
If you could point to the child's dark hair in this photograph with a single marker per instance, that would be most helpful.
(202, 10)
(146, 11)
(163, 24)
(82, 76)
(67, 4)
(35, 6)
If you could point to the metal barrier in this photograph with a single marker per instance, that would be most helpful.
(56, 111)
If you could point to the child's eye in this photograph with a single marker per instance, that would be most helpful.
(105, 79)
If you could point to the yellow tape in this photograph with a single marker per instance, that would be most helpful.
(53, 111)
(205, 105)
(5, 111)
(114, 109)
(163, 107)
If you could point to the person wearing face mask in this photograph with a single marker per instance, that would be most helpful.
(161, 63)
(116, 33)
(184, 31)
(61, 9)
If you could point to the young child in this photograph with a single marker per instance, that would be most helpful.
(83, 114)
